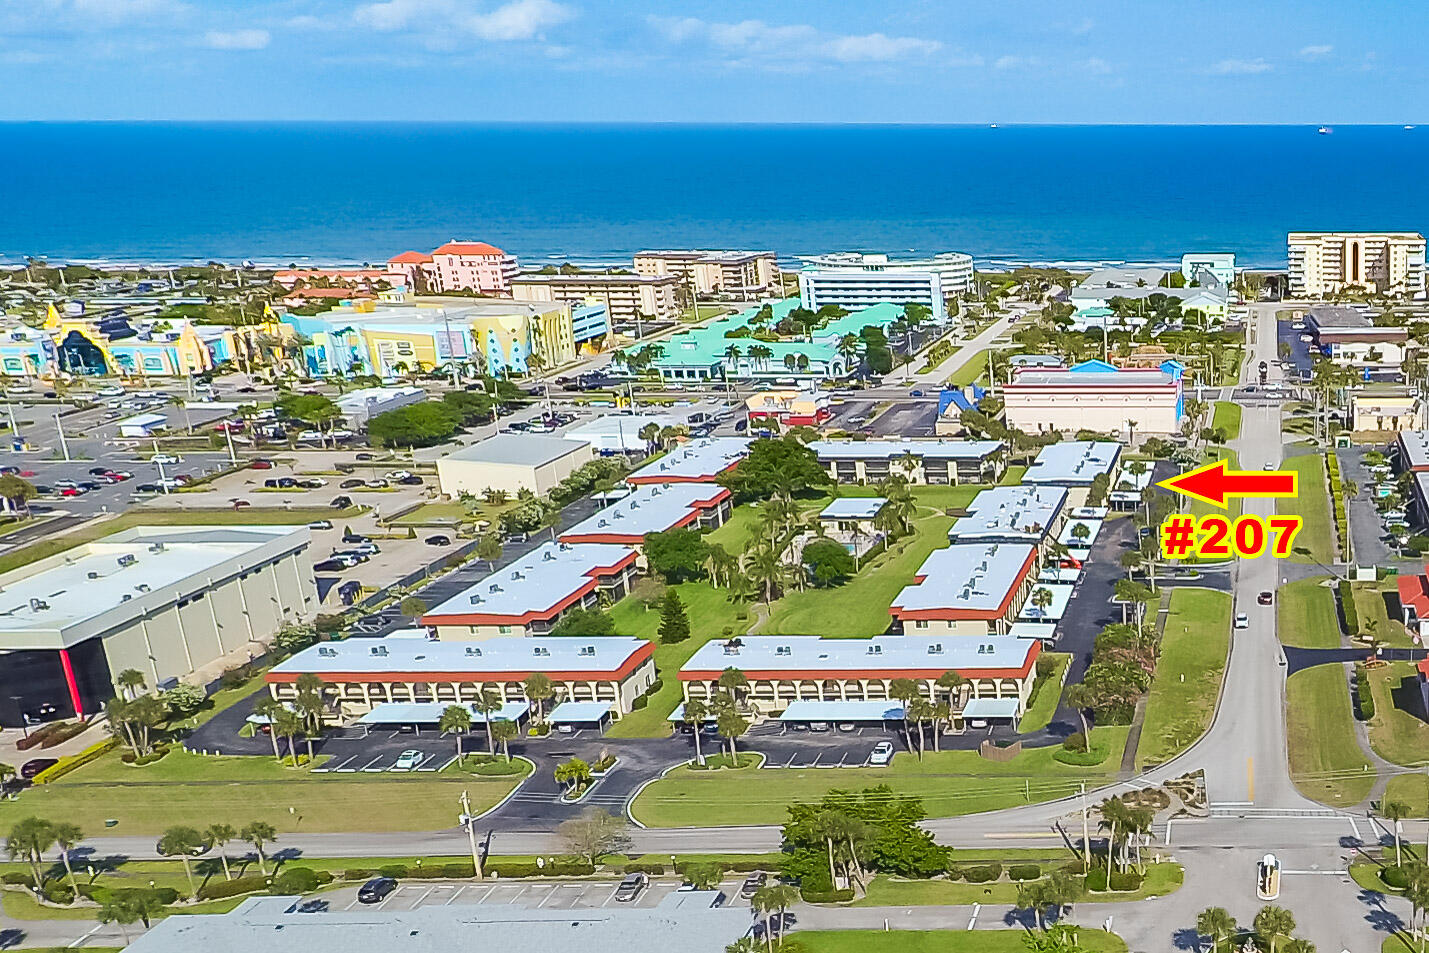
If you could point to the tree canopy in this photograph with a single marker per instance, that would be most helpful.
(416, 425)
(778, 464)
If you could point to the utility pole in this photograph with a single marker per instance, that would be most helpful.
(1086, 832)
(228, 432)
(59, 426)
(160, 464)
(469, 823)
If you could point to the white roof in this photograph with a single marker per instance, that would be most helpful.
(500, 656)
(892, 449)
(579, 712)
(852, 710)
(991, 708)
(698, 460)
(93, 588)
(536, 583)
(1032, 630)
(524, 449)
(1414, 448)
(1061, 595)
(144, 420)
(430, 713)
(853, 508)
(360, 399)
(1068, 535)
(651, 508)
(1073, 462)
(966, 577)
(1011, 513)
(811, 654)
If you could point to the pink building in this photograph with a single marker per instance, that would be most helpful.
(413, 269)
(457, 266)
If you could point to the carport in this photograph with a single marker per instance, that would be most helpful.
(862, 713)
(1061, 595)
(576, 716)
(1044, 631)
(678, 717)
(419, 715)
(989, 709)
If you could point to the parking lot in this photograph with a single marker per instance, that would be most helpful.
(558, 895)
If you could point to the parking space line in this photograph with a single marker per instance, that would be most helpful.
(518, 894)
(369, 765)
(423, 898)
(612, 895)
(549, 894)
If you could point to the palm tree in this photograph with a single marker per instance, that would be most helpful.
(1396, 812)
(1216, 923)
(1042, 600)
(772, 899)
(1034, 895)
(921, 710)
(120, 911)
(219, 835)
(289, 724)
(456, 721)
(266, 707)
(731, 725)
(1082, 696)
(130, 682)
(488, 703)
(953, 682)
(1273, 922)
(763, 567)
(259, 833)
(505, 732)
(538, 689)
(1417, 893)
(906, 691)
(28, 840)
(694, 714)
(182, 842)
(67, 837)
(1112, 813)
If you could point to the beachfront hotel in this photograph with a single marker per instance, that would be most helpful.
(1323, 263)
(628, 299)
(455, 266)
(853, 281)
(745, 275)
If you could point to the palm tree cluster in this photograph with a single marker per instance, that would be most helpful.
(30, 837)
(1272, 925)
(919, 710)
(302, 716)
(1126, 827)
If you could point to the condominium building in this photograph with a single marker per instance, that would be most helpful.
(852, 281)
(456, 266)
(703, 460)
(1074, 465)
(1203, 267)
(628, 299)
(653, 508)
(968, 589)
(164, 601)
(1349, 336)
(739, 274)
(788, 672)
(528, 596)
(413, 670)
(1095, 395)
(1012, 514)
(1323, 263)
(939, 462)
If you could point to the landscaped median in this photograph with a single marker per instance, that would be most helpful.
(1159, 880)
(949, 783)
(1194, 646)
(1326, 762)
(1315, 541)
(1305, 615)
(941, 941)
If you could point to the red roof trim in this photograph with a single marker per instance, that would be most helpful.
(952, 613)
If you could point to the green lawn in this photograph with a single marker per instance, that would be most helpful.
(1325, 758)
(1411, 790)
(739, 530)
(199, 791)
(1305, 615)
(1049, 692)
(1161, 879)
(1233, 506)
(710, 612)
(969, 373)
(1226, 417)
(949, 783)
(449, 512)
(1188, 676)
(1315, 542)
(1374, 614)
(940, 941)
(248, 516)
(1395, 734)
(1012, 476)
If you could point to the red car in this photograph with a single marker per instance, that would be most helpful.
(260, 464)
(71, 491)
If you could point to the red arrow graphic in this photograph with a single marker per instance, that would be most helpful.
(1213, 483)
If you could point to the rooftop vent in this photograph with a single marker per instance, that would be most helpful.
(473, 651)
(142, 587)
(494, 587)
(327, 651)
(549, 556)
(783, 650)
(587, 650)
(128, 559)
(379, 650)
(476, 599)
(541, 650)
(875, 650)
(517, 574)
(92, 574)
(38, 605)
(935, 649)
(157, 548)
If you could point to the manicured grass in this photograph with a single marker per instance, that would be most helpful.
(1044, 704)
(433, 512)
(738, 532)
(949, 783)
(1188, 676)
(1395, 734)
(1012, 476)
(1161, 879)
(1233, 506)
(1374, 614)
(1326, 762)
(1411, 790)
(710, 612)
(941, 941)
(1315, 542)
(1226, 417)
(248, 516)
(969, 373)
(199, 791)
(1305, 615)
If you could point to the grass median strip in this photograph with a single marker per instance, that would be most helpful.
(942, 941)
(1315, 542)
(1395, 734)
(1305, 615)
(1161, 879)
(1183, 696)
(1326, 762)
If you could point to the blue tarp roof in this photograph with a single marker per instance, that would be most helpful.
(843, 711)
(991, 708)
(429, 713)
(580, 712)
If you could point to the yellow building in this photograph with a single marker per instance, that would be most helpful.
(1323, 263)
(1386, 408)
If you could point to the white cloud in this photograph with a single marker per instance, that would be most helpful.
(236, 39)
(1011, 62)
(1316, 50)
(1240, 67)
(795, 45)
(515, 20)
(1097, 66)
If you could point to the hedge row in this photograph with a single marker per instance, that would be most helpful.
(827, 896)
(222, 889)
(1347, 608)
(1363, 691)
(47, 736)
(67, 764)
(1098, 882)
(1337, 503)
(643, 699)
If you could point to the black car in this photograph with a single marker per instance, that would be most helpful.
(354, 538)
(328, 565)
(752, 884)
(364, 456)
(350, 484)
(438, 540)
(90, 485)
(34, 766)
(247, 390)
(341, 502)
(148, 488)
(376, 890)
(411, 481)
(98, 471)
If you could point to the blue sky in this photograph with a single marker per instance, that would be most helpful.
(1195, 61)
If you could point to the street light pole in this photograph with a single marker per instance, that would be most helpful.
(228, 432)
(64, 444)
(469, 823)
(160, 464)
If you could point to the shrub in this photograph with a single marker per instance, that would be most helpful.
(457, 871)
(955, 873)
(827, 896)
(219, 889)
(59, 892)
(357, 873)
(637, 867)
(749, 866)
(17, 878)
(1396, 878)
(1096, 880)
(640, 702)
(1363, 692)
(1347, 607)
(1024, 872)
(395, 871)
(295, 880)
(1085, 759)
(982, 874)
(1125, 881)
(1075, 742)
(67, 764)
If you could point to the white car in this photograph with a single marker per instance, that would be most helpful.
(110, 392)
(310, 435)
(882, 753)
(399, 474)
(166, 458)
(407, 760)
(1242, 621)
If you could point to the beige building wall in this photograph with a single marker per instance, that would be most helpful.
(1103, 412)
(1387, 413)
(1323, 263)
(475, 476)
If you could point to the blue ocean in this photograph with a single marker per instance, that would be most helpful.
(354, 192)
